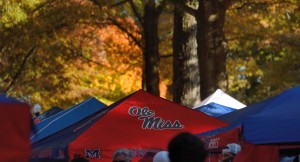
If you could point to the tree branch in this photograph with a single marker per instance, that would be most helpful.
(42, 5)
(184, 7)
(165, 36)
(136, 41)
(136, 13)
(166, 56)
(119, 3)
(81, 55)
(96, 2)
(161, 6)
(20, 70)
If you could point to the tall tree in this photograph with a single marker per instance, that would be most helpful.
(151, 40)
(186, 78)
(211, 43)
(212, 46)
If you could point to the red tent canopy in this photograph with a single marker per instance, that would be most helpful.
(142, 123)
(15, 130)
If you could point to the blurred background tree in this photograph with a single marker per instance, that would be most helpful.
(61, 52)
(262, 61)
(58, 53)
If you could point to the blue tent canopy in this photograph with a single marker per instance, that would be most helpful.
(274, 120)
(5, 99)
(237, 118)
(278, 122)
(48, 113)
(57, 144)
(214, 109)
(65, 118)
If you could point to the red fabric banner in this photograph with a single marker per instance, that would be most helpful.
(218, 141)
(15, 131)
(257, 153)
(250, 153)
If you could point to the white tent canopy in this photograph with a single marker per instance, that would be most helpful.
(222, 98)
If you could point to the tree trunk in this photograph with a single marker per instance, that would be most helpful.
(151, 53)
(186, 79)
(212, 45)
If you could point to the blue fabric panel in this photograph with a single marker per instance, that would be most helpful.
(215, 110)
(60, 140)
(278, 122)
(271, 121)
(48, 113)
(65, 118)
(6, 99)
(236, 118)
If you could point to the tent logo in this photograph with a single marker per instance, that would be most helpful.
(150, 121)
(213, 143)
(89, 153)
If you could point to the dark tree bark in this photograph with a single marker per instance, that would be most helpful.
(149, 43)
(212, 48)
(20, 69)
(186, 79)
(151, 53)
